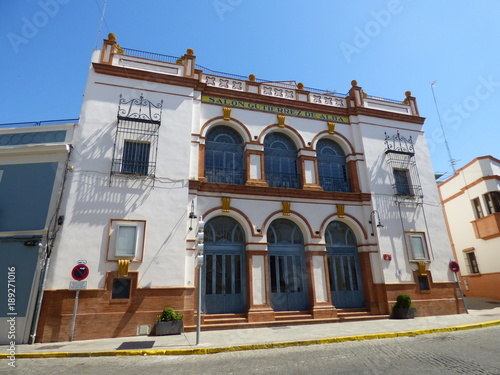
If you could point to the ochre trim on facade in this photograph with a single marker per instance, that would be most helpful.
(329, 218)
(244, 216)
(218, 121)
(472, 184)
(287, 130)
(289, 193)
(457, 172)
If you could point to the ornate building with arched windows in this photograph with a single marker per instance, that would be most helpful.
(314, 205)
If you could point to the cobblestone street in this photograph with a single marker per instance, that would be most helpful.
(464, 352)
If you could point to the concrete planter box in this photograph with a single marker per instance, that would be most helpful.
(173, 327)
(404, 313)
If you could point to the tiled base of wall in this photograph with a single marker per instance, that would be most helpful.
(99, 316)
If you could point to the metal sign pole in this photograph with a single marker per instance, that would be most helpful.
(73, 319)
(198, 317)
(461, 293)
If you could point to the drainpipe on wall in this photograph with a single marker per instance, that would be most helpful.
(53, 228)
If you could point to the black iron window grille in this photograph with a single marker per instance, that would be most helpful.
(400, 154)
(136, 141)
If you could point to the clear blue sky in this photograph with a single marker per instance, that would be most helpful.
(388, 46)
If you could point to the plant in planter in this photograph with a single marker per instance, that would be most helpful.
(403, 308)
(169, 322)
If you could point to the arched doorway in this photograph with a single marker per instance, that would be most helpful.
(224, 287)
(343, 265)
(287, 271)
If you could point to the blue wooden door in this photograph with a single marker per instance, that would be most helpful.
(288, 279)
(287, 271)
(345, 280)
(343, 267)
(224, 286)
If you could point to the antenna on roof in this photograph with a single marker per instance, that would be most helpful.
(451, 160)
(100, 23)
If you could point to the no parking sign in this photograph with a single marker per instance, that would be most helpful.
(454, 266)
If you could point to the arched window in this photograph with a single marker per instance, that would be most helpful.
(283, 231)
(280, 161)
(339, 234)
(332, 166)
(224, 156)
(223, 230)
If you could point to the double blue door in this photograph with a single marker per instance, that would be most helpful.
(345, 277)
(224, 280)
(287, 277)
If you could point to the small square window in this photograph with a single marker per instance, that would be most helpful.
(423, 282)
(121, 288)
(402, 179)
(470, 257)
(417, 247)
(126, 241)
(135, 157)
(478, 209)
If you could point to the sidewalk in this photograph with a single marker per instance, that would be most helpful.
(482, 313)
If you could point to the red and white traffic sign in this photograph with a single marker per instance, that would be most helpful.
(80, 272)
(454, 266)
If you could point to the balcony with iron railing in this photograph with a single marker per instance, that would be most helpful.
(334, 184)
(225, 175)
(282, 180)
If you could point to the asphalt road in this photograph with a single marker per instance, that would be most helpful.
(464, 352)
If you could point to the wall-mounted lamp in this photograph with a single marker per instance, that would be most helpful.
(379, 224)
(258, 230)
(309, 143)
(192, 216)
(255, 137)
(317, 232)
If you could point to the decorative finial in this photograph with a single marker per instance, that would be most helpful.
(300, 86)
(112, 37)
(190, 51)
(251, 77)
(408, 94)
(354, 83)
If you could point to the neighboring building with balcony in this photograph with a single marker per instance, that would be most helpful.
(317, 205)
(471, 201)
(33, 161)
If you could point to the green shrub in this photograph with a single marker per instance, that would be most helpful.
(403, 301)
(169, 314)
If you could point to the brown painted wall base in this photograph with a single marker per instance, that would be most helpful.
(99, 316)
(443, 298)
(482, 285)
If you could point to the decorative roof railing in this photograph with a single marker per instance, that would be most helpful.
(38, 123)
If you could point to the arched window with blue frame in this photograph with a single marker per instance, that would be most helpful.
(332, 167)
(224, 156)
(280, 161)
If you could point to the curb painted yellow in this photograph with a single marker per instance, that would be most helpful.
(284, 344)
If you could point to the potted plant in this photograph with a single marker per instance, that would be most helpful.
(403, 308)
(169, 322)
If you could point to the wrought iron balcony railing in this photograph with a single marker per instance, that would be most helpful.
(225, 176)
(334, 184)
(283, 180)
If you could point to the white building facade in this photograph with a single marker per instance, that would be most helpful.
(316, 205)
(471, 200)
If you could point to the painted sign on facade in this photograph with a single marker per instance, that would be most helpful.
(273, 109)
